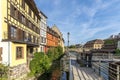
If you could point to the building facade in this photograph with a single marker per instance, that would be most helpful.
(19, 34)
(94, 44)
(43, 30)
(52, 38)
(61, 40)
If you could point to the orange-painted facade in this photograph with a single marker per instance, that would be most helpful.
(52, 38)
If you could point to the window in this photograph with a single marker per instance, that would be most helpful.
(13, 32)
(38, 31)
(30, 24)
(34, 27)
(14, 12)
(23, 19)
(29, 11)
(0, 53)
(37, 20)
(41, 39)
(34, 39)
(23, 4)
(29, 38)
(19, 52)
(34, 16)
(44, 40)
(25, 37)
(11, 9)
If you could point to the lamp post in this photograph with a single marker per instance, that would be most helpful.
(68, 39)
(70, 71)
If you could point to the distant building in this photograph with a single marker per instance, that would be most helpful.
(94, 44)
(61, 40)
(118, 45)
(43, 30)
(52, 39)
(110, 45)
(115, 36)
(79, 45)
(111, 37)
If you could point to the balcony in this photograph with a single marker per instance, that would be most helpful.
(19, 38)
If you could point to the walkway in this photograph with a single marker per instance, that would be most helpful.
(83, 73)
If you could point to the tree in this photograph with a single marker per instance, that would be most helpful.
(60, 50)
(50, 53)
(54, 53)
(109, 41)
(40, 63)
(117, 52)
(72, 46)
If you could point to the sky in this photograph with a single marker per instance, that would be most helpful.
(84, 19)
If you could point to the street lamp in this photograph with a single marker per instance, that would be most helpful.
(68, 38)
(70, 71)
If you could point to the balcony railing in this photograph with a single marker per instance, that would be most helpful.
(19, 38)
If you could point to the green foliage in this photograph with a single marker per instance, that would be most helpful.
(72, 46)
(3, 67)
(54, 53)
(117, 52)
(109, 41)
(4, 71)
(40, 63)
(60, 50)
(50, 53)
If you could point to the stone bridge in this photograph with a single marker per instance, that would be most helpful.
(76, 49)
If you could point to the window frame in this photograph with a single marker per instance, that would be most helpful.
(21, 54)
(13, 32)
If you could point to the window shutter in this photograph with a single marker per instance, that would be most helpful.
(0, 53)
(20, 17)
(12, 10)
(9, 31)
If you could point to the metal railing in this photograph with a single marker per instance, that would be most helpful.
(107, 72)
(104, 57)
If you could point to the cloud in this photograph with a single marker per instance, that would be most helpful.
(56, 2)
(93, 19)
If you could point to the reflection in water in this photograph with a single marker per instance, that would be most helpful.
(64, 76)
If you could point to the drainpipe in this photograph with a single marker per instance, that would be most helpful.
(8, 46)
(9, 54)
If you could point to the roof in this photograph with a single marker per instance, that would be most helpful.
(43, 14)
(33, 6)
(96, 41)
(56, 29)
(50, 31)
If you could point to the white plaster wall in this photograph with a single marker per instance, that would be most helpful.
(6, 52)
(41, 48)
(43, 28)
(118, 45)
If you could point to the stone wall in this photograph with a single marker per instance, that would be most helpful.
(18, 71)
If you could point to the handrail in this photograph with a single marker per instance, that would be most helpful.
(111, 70)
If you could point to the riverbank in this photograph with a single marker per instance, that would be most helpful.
(53, 74)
